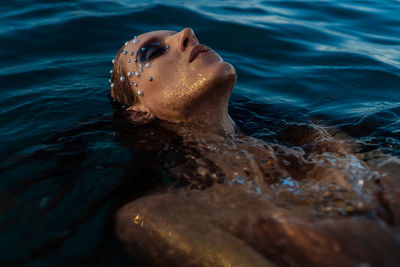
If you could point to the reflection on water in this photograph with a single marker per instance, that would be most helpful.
(307, 71)
(77, 185)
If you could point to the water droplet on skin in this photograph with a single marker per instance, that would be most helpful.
(239, 179)
(202, 171)
(328, 208)
(257, 190)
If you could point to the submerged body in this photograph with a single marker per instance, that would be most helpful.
(274, 206)
(246, 202)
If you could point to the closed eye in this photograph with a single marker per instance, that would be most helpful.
(150, 51)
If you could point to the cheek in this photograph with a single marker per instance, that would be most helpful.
(184, 89)
(175, 87)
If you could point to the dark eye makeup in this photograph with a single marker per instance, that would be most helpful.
(150, 51)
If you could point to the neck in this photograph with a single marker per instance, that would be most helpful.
(210, 124)
(210, 114)
(213, 117)
(208, 118)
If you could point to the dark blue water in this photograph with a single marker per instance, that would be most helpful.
(66, 160)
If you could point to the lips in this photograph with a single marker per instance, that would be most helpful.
(197, 50)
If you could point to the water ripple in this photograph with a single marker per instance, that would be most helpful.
(337, 63)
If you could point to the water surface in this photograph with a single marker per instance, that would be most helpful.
(67, 161)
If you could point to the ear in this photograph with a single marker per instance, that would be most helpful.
(139, 114)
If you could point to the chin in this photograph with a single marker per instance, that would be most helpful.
(228, 70)
(211, 65)
(224, 74)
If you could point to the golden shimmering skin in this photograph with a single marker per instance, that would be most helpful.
(180, 91)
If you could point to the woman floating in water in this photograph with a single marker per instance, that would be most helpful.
(248, 203)
(151, 71)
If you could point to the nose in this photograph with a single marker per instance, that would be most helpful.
(186, 39)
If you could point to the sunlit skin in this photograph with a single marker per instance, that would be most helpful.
(252, 219)
(180, 90)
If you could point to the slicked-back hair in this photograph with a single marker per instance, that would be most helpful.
(121, 91)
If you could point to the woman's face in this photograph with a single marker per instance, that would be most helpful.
(176, 74)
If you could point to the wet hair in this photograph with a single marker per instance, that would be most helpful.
(121, 91)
